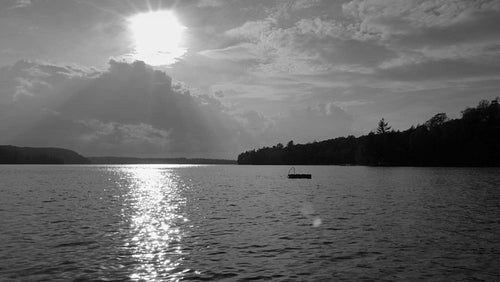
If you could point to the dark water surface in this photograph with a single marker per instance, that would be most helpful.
(241, 223)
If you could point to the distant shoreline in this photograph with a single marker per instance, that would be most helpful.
(133, 160)
(12, 155)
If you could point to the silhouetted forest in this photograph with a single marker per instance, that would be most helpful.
(27, 155)
(472, 140)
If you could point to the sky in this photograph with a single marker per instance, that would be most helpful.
(213, 78)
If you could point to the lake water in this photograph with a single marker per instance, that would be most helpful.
(241, 223)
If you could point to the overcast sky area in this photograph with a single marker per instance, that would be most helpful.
(235, 75)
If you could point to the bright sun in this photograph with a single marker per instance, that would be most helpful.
(157, 36)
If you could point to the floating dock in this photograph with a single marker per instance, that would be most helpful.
(293, 175)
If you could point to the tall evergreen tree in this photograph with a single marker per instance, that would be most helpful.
(383, 127)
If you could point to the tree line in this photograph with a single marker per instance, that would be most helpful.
(472, 140)
(27, 155)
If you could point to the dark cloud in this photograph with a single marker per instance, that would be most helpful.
(129, 106)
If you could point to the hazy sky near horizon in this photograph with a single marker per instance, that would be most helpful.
(211, 78)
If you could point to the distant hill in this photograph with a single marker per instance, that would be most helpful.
(130, 160)
(472, 140)
(27, 155)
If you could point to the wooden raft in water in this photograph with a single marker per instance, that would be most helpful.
(297, 175)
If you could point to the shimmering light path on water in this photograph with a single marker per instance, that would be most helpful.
(239, 223)
(155, 222)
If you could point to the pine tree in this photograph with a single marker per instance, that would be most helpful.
(383, 127)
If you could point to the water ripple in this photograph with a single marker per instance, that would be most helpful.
(238, 223)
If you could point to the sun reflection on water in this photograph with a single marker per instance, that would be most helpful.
(156, 222)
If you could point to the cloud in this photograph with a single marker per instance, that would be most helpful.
(252, 30)
(237, 53)
(324, 28)
(447, 69)
(125, 106)
(307, 46)
(351, 103)
(276, 49)
(20, 3)
(286, 9)
(304, 4)
(211, 3)
(424, 22)
(41, 81)
(359, 50)
(433, 33)
(477, 27)
(122, 139)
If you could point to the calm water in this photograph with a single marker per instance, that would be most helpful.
(240, 223)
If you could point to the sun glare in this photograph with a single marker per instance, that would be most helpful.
(157, 37)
